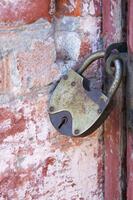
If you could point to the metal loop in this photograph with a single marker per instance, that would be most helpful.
(93, 57)
(110, 61)
(113, 58)
(118, 73)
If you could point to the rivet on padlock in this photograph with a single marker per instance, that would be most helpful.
(76, 110)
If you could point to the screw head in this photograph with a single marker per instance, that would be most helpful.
(65, 77)
(73, 83)
(51, 109)
(99, 111)
(76, 131)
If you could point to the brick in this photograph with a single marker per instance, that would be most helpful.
(23, 11)
(29, 58)
(36, 66)
(68, 8)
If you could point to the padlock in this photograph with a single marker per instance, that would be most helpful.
(77, 110)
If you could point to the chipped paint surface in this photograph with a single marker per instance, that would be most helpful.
(38, 167)
(36, 161)
(114, 133)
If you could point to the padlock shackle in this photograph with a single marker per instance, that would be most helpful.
(93, 57)
(113, 58)
(117, 77)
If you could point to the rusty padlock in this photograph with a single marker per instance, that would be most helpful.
(77, 110)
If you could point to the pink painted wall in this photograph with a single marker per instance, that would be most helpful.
(39, 42)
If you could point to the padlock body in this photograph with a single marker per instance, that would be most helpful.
(75, 109)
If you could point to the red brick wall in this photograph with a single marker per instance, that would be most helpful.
(39, 42)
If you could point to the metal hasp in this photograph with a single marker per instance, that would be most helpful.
(77, 110)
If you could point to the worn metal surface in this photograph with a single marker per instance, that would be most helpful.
(77, 111)
(93, 57)
(83, 106)
(118, 67)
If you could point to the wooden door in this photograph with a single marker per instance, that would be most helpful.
(114, 30)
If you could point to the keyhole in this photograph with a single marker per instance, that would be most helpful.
(63, 121)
